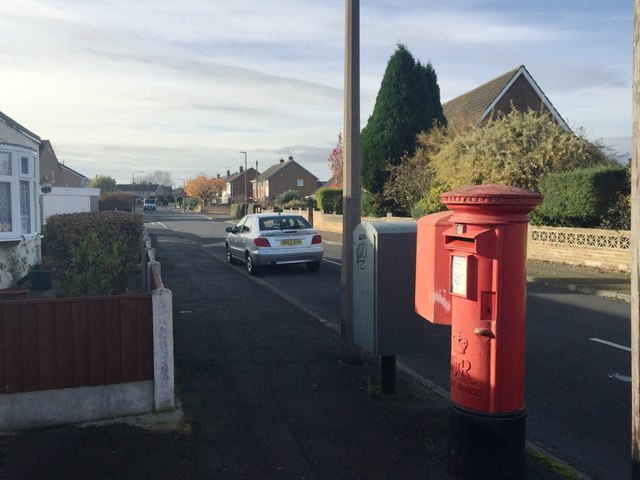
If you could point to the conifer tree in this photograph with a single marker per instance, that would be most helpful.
(408, 103)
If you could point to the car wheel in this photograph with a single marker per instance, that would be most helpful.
(251, 268)
(313, 266)
(230, 258)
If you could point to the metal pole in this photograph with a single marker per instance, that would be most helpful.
(635, 246)
(246, 203)
(351, 175)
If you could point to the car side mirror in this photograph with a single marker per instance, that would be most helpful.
(230, 229)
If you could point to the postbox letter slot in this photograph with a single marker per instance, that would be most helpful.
(466, 244)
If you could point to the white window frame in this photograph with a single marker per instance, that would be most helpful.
(17, 153)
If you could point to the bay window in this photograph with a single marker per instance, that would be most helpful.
(18, 182)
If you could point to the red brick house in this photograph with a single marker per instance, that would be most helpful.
(236, 182)
(284, 175)
(515, 87)
(56, 173)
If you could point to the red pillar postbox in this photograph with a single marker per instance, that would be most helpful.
(484, 248)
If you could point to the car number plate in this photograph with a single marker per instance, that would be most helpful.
(290, 243)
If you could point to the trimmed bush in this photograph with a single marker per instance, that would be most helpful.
(122, 201)
(581, 198)
(329, 200)
(92, 253)
(237, 210)
(429, 204)
(618, 215)
(285, 198)
(294, 204)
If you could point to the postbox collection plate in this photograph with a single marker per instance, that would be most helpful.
(459, 275)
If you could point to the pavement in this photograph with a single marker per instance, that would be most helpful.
(264, 394)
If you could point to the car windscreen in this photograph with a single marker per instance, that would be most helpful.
(284, 222)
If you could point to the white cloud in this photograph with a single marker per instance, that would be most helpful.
(121, 84)
(33, 8)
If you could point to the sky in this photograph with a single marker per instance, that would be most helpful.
(127, 87)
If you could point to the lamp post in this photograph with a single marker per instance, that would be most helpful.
(184, 196)
(246, 203)
(351, 184)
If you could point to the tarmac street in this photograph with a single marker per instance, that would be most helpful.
(265, 395)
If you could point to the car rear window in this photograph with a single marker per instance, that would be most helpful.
(284, 222)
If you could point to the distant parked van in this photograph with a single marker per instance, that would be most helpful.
(149, 204)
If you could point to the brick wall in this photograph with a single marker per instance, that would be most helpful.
(607, 249)
(330, 222)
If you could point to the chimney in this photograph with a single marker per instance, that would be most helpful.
(241, 169)
(228, 173)
(281, 160)
(218, 175)
(257, 166)
(290, 157)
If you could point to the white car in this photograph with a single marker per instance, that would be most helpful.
(149, 204)
(274, 239)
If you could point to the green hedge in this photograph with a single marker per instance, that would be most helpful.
(237, 210)
(92, 253)
(581, 198)
(286, 197)
(329, 200)
(122, 201)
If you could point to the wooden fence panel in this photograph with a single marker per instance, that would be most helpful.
(64, 344)
(80, 342)
(13, 349)
(129, 341)
(30, 364)
(96, 344)
(112, 343)
(61, 343)
(47, 348)
(3, 365)
(145, 342)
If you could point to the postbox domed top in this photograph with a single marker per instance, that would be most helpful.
(492, 194)
(491, 202)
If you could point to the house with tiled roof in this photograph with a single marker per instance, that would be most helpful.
(58, 174)
(284, 175)
(516, 87)
(140, 190)
(164, 190)
(236, 183)
(68, 191)
(19, 195)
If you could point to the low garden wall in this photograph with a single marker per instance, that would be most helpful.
(330, 222)
(606, 249)
(71, 360)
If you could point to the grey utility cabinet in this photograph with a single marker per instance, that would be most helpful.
(384, 318)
